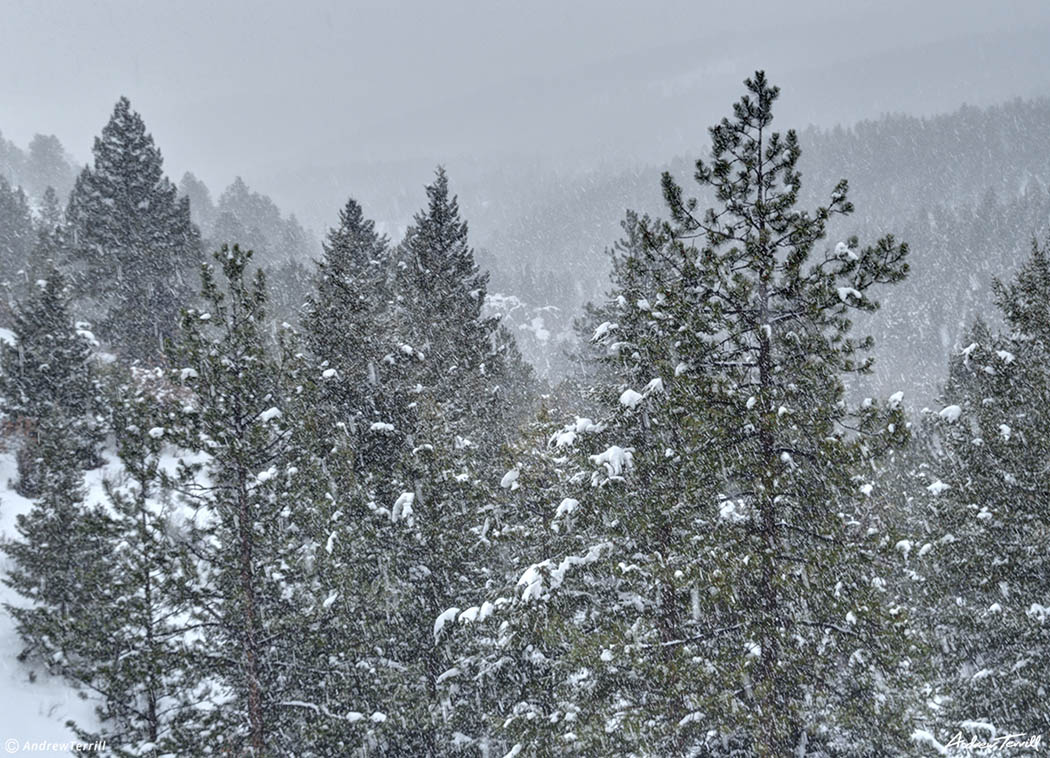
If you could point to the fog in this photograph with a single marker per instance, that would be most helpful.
(480, 380)
(312, 100)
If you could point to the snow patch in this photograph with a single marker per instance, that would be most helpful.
(631, 399)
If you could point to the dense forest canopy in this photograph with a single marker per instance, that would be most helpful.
(739, 454)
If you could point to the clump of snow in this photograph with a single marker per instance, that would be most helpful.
(532, 580)
(156, 432)
(566, 507)
(655, 385)
(630, 398)
(567, 436)
(924, 737)
(733, 511)
(510, 479)
(402, 510)
(445, 617)
(938, 487)
(842, 250)
(270, 414)
(615, 460)
(845, 293)
(1039, 612)
(950, 413)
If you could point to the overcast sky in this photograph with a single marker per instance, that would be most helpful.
(271, 90)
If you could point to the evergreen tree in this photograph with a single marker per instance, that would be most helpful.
(441, 291)
(47, 166)
(48, 384)
(56, 566)
(201, 204)
(264, 491)
(416, 379)
(140, 662)
(348, 329)
(988, 515)
(16, 240)
(133, 243)
(716, 586)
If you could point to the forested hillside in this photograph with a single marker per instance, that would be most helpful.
(754, 465)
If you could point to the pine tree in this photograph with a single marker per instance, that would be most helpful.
(47, 166)
(988, 515)
(134, 246)
(200, 199)
(718, 585)
(415, 376)
(55, 566)
(48, 384)
(140, 663)
(266, 494)
(16, 240)
(441, 291)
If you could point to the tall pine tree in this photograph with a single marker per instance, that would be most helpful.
(135, 248)
(988, 516)
(717, 586)
(48, 384)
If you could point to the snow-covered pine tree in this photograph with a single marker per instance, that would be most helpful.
(268, 587)
(989, 516)
(49, 247)
(134, 247)
(720, 587)
(441, 375)
(140, 663)
(348, 329)
(16, 242)
(48, 384)
(449, 352)
(56, 566)
(441, 290)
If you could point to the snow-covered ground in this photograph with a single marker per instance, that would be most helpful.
(34, 707)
